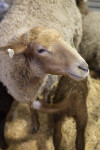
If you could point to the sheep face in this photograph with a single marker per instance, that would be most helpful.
(51, 53)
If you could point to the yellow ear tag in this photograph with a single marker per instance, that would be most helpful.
(11, 52)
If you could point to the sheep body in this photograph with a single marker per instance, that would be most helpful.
(34, 17)
(25, 15)
(74, 94)
(90, 45)
(69, 99)
(45, 13)
(90, 39)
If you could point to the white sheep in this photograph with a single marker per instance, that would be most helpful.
(26, 74)
(90, 44)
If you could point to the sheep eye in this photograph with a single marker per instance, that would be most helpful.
(41, 51)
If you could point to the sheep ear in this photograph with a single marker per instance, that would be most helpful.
(16, 48)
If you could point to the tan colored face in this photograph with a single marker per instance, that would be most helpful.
(54, 54)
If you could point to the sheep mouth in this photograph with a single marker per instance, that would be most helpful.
(75, 76)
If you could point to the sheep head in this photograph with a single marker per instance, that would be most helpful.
(51, 52)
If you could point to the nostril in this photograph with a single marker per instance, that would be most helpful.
(83, 68)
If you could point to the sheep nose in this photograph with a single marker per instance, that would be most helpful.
(84, 67)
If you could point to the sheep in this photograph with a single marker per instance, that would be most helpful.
(73, 95)
(90, 40)
(68, 100)
(75, 107)
(26, 15)
(90, 21)
(45, 52)
(40, 51)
